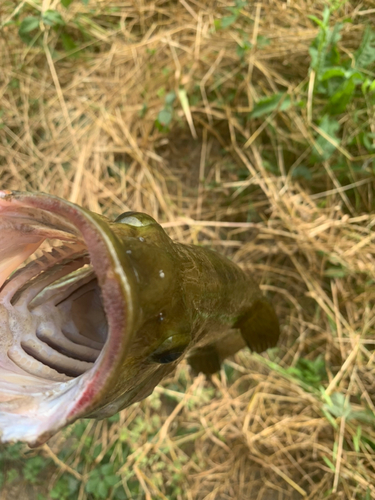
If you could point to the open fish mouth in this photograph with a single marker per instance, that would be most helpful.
(63, 316)
(94, 313)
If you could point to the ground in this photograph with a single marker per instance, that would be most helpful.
(244, 127)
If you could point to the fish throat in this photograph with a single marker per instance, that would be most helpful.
(54, 353)
(59, 326)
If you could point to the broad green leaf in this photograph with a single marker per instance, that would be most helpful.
(365, 55)
(368, 144)
(314, 54)
(311, 372)
(242, 49)
(164, 117)
(368, 494)
(263, 41)
(66, 3)
(228, 20)
(339, 407)
(30, 23)
(68, 42)
(302, 171)
(268, 104)
(33, 467)
(106, 469)
(335, 272)
(12, 475)
(334, 35)
(365, 416)
(332, 73)
(357, 76)
(102, 491)
(323, 49)
(326, 15)
(92, 483)
(341, 98)
(111, 480)
(325, 148)
(365, 85)
(170, 98)
(52, 18)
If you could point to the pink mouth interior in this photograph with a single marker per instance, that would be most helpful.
(53, 328)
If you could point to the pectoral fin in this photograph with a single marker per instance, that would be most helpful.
(205, 360)
(259, 326)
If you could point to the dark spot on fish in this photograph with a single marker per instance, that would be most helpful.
(170, 350)
(166, 357)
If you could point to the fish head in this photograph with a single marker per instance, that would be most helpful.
(92, 323)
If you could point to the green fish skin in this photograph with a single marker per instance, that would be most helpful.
(161, 301)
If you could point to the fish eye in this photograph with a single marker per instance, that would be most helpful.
(137, 219)
(167, 352)
(166, 357)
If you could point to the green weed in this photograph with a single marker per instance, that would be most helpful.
(310, 372)
(336, 77)
(339, 406)
(165, 115)
(234, 13)
(265, 106)
(101, 481)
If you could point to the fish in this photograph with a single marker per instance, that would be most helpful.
(95, 313)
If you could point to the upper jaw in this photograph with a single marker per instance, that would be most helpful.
(33, 408)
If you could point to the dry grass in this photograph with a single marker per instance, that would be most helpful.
(83, 127)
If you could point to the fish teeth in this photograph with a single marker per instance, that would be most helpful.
(36, 267)
(44, 279)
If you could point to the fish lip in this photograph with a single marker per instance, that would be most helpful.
(116, 297)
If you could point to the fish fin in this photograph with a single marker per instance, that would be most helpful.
(205, 360)
(259, 326)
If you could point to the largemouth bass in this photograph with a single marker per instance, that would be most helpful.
(96, 320)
